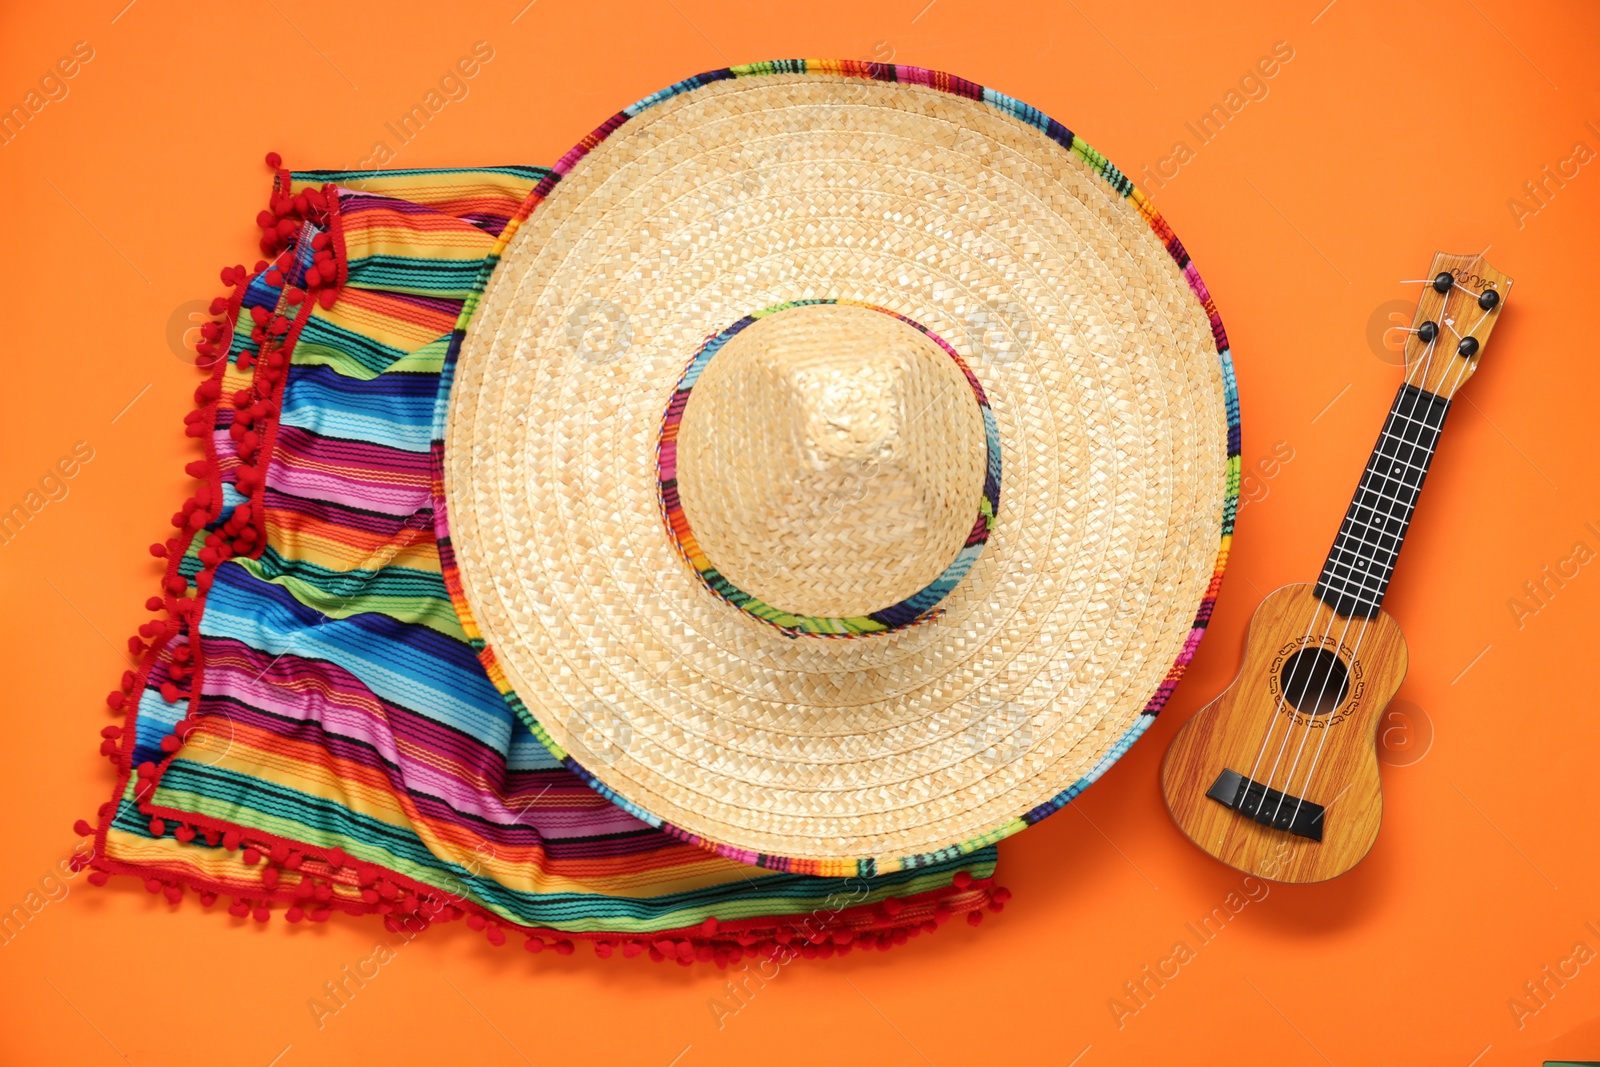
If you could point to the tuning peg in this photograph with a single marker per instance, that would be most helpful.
(1428, 331)
(1443, 281)
(1488, 299)
(1468, 347)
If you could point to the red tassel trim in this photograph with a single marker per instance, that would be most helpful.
(243, 533)
(307, 894)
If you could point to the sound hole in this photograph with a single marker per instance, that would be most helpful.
(1315, 681)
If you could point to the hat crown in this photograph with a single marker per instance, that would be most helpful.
(831, 460)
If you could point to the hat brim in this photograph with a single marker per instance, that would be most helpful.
(1108, 373)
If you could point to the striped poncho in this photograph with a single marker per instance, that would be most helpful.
(309, 730)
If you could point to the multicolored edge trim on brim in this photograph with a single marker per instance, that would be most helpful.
(920, 606)
(1119, 183)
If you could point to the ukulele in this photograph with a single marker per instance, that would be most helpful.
(1278, 776)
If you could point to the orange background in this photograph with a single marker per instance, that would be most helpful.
(1395, 130)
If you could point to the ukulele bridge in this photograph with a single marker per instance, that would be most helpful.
(1269, 807)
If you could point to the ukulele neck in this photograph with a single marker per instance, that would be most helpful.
(1463, 296)
(1356, 574)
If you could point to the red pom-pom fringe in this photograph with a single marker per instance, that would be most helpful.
(166, 645)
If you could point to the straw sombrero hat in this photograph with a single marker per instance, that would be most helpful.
(839, 465)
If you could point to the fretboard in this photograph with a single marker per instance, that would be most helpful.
(1357, 572)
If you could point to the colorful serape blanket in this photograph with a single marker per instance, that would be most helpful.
(309, 729)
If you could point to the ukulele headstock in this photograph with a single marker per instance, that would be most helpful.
(1458, 309)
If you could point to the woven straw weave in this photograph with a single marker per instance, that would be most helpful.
(1096, 356)
(832, 460)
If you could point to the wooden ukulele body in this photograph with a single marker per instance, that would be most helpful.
(1322, 753)
(1279, 775)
